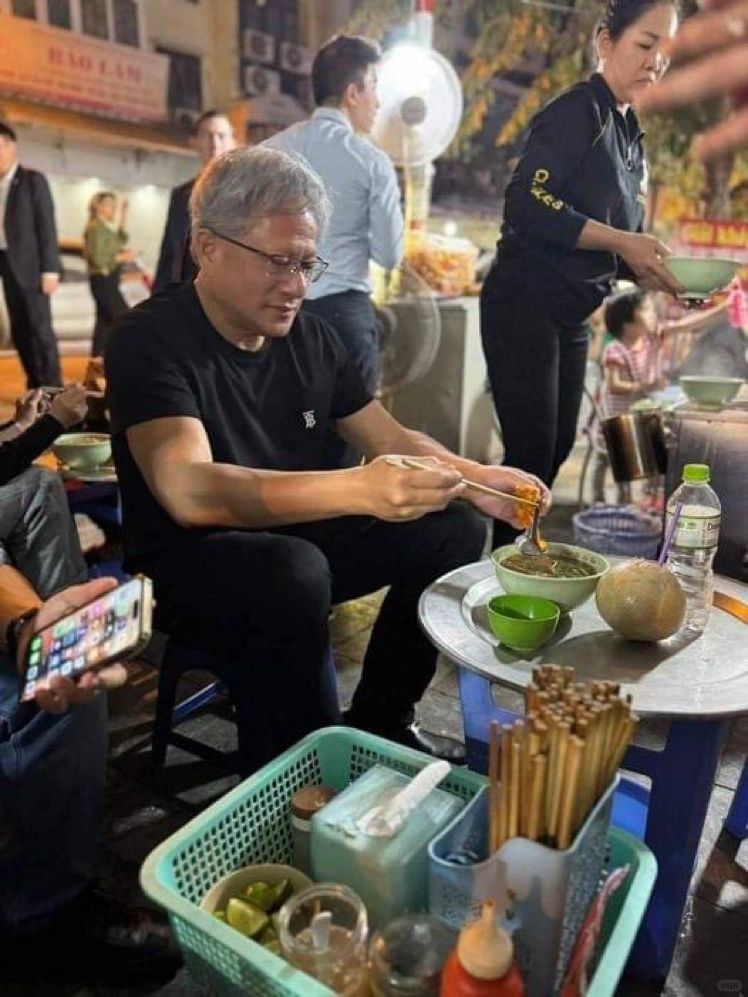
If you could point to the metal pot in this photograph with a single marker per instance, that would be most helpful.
(636, 445)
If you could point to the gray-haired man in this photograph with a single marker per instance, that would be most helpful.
(222, 394)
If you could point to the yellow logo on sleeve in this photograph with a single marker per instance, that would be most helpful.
(541, 177)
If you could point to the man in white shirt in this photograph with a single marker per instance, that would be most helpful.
(367, 221)
(29, 262)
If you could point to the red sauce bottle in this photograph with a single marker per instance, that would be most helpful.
(482, 964)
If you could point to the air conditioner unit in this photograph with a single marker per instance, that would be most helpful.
(258, 46)
(184, 117)
(259, 81)
(295, 58)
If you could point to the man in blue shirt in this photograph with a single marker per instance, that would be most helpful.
(367, 222)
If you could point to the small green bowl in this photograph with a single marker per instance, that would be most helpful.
(701, 276)
(711, 393)
(522, 622)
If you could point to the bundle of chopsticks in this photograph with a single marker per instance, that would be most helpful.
(546, 772)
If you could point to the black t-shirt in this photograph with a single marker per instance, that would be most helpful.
(271, 409)
(582, 159)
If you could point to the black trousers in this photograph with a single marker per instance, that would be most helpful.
(109, 306)
(260, 602)
(30, 317)
(352, 315)
(536, 366)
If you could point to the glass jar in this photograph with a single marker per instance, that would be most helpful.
(407, 955)
(340, 963)
(305, 803)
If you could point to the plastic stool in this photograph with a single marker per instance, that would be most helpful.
(180, 658)
(737, 818)
(670, 818)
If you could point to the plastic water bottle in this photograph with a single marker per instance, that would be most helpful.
(695, 542)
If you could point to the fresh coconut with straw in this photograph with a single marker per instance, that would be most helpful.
(642, 600)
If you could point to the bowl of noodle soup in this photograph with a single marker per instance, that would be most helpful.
(567, 575)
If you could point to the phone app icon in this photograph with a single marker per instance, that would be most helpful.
(80, 663)
(34, 658)
(67, 668)
(56, 645)
(30, 686)
(32, 672)
(36, 643)
(55, 660)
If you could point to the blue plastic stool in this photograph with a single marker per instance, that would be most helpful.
(669, 817)
(101, 502)
(179, 658)
(737, 818)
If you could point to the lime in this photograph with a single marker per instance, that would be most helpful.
(273, 946)
(246, 917)
(261, 894)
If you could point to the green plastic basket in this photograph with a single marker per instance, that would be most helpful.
(252, 824)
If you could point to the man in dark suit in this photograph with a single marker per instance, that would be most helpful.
(29, 262)
(213, 135)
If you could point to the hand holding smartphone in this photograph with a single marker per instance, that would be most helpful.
(114, 626)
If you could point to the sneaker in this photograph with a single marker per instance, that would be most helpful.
(413, 735)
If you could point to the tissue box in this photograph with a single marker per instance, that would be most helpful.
(390, 874)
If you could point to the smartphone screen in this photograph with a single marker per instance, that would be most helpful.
(109, 627)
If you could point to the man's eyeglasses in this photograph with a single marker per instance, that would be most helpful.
(282, 266)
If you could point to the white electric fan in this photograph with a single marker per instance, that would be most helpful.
(420, 109)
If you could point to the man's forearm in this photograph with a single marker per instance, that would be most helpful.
(206, 494)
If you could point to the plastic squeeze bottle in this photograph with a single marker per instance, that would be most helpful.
(482, 964)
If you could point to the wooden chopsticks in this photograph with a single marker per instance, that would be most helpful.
(476, 486)
(547, 772)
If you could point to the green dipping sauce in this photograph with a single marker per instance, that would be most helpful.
(551, 566)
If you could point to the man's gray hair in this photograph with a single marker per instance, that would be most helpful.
(237, 189)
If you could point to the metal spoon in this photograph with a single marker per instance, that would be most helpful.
(531, 543)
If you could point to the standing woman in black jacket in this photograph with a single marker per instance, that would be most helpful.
(573, 217)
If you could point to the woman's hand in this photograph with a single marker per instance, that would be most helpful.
(69, 407)
(645, 254)
(28, 408)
